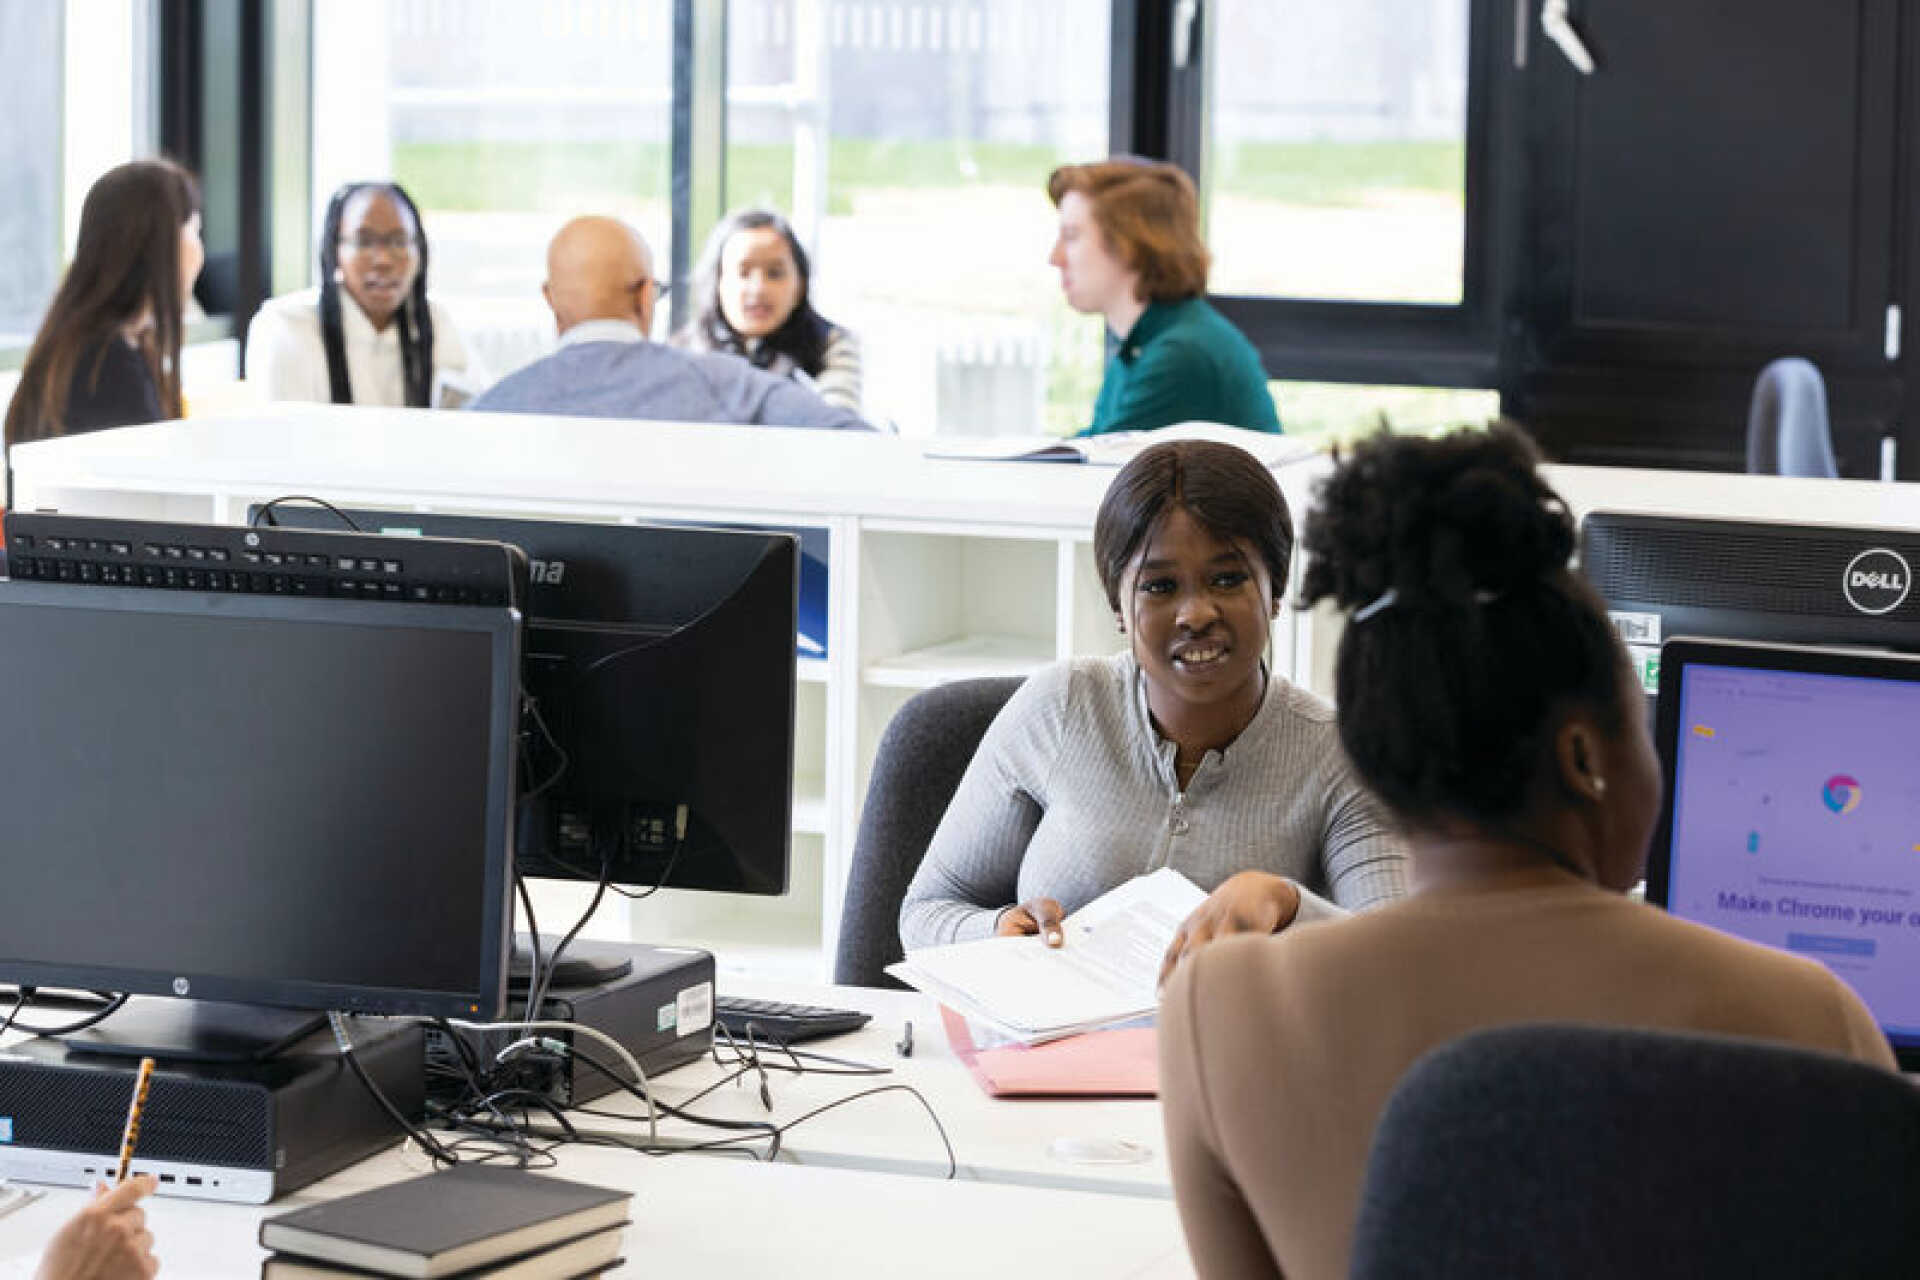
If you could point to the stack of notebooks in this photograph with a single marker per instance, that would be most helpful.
(468, 1221)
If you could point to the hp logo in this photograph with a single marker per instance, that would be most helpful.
(181, 986)
(1877, 581)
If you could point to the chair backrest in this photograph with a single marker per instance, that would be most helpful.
(916, 770)
(1788, 433)
(1581, 1151)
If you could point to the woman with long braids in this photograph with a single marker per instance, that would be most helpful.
(1485, 699)
(368, 334)
(108, 351)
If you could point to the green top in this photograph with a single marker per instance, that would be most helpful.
(1183, 362)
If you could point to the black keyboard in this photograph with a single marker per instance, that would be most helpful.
(787, 1023)
(98, 551)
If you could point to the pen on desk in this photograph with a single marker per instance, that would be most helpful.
(905, 1046)
(132, 1135)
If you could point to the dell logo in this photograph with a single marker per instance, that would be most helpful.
(181, 986)
(548, 573)
(1877, 581)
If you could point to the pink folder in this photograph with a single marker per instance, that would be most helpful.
(1104, 1064)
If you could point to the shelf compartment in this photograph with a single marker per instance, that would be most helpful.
(965, 658)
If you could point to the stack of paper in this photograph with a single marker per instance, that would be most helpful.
(1117, 448)
(1104, 972)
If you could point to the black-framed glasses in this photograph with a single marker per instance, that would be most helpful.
(372, 241)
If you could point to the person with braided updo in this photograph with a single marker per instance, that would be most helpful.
(1484, 697)
(368, 333)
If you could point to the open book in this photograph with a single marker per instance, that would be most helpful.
(1116, 448)
(1104, 972)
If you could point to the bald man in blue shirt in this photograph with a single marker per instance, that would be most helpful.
(601, 288)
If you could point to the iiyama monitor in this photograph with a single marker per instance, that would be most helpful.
(659, 673)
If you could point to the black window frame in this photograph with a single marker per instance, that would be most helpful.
(1155, 110)
(1322, 340)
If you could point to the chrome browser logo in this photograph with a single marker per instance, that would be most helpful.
(1842, 793)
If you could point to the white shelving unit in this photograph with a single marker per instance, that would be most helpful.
(939, 570)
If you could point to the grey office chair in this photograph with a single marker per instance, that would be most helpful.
(922, 756)
(1787, 429)
(1577, 1152)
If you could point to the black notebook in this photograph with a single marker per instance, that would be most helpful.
(589, 1255)
(446, 1223)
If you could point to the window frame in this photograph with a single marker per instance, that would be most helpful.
(1355, 341)
(1156, 110)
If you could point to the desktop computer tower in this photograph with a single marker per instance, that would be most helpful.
(242, 1132)
(661, 1012)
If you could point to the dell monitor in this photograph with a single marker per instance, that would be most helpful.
(257, 800)
(659, 673)
(1792, 812)
(1663, 576)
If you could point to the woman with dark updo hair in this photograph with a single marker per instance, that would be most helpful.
(1186, 750)
(1484, 697)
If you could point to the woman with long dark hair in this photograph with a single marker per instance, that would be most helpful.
(753, 291)
(108, 351)
(368, 334)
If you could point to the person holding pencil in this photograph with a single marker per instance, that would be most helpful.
(107, 1240)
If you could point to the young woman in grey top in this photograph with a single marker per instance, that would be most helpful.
(1183, 752)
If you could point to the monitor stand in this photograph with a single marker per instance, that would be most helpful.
(586, 964)
(196, 1031)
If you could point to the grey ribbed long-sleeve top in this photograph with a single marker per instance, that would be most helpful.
(1072, 792)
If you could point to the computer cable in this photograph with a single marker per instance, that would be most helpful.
(762, 1127)
(19, 1003)
(530, 709)
(619, 1051)
(427, 1143)
(265, 511)
(681, 815)
(539, 982)
(28, 994)
(532, 1009)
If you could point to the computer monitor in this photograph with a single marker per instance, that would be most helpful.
(266, 800)
(1663, 576)
(1792, 815)
(660, 662)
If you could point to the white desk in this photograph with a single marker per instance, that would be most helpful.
(717, 1216)
(858, 1191)
(939, 569)
(1001, 1140)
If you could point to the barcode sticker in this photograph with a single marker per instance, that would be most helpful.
(695, 1007)
(1636, 628)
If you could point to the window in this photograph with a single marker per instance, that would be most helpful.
(910, 143)
(1336, 160)
(502, 119)
(68, 112)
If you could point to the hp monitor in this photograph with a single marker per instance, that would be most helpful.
(1793, 810)
(265, 800)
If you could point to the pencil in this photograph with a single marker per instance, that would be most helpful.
(132, 1134)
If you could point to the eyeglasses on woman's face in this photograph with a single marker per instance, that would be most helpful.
(398, 242)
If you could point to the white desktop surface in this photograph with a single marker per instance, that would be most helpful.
(398, 457)
(860, 1190)
(1006, 1140)
(538, 463)
(719, 1216)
